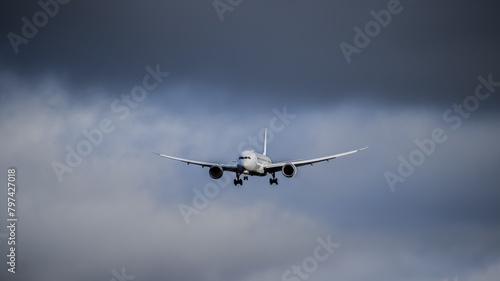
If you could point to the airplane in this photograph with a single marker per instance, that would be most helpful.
(257, 164)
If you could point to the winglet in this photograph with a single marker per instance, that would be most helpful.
(265, 142)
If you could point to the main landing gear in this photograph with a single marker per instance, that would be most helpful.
(238, 180)
(273, 180)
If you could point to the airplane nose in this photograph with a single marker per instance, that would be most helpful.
(248, 164)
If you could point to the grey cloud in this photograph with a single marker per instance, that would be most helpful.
(430, 53)
(119, 208)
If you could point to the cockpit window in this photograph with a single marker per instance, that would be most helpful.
(244, 157)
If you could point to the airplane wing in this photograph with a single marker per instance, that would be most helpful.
(225, 167)
(278, 166)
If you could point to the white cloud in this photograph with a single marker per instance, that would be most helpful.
(489, 273)
(120, 206)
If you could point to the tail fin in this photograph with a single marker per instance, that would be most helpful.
(265, 142)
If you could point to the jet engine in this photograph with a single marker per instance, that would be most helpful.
(289, 170)
(215, 172)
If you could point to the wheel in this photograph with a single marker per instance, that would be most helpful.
(240, 182)
(235, 182)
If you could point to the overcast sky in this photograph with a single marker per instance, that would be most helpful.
(90, 88)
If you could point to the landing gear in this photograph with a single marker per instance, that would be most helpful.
(238, 180)
(273, 180)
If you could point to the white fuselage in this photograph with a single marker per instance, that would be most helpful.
(252, 163)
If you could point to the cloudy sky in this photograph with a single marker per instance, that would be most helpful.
(90, 88)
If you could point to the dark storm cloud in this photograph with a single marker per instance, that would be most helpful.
(429, 52)
(119, 207)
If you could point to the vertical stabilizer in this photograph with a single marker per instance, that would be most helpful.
(265, 142)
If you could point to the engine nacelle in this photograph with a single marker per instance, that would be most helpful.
(289, 170)
(216, 172)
